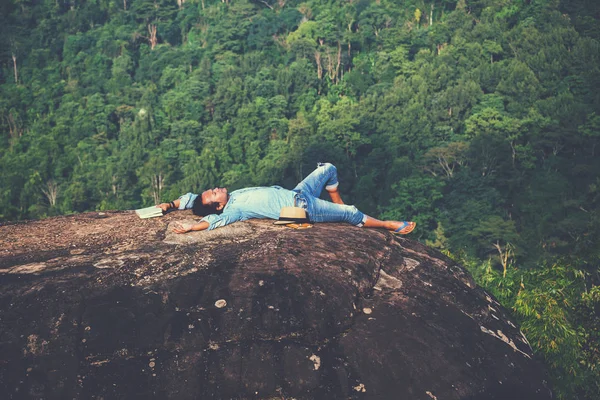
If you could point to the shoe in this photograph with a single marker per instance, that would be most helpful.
(405, 228)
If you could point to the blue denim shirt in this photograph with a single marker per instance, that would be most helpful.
(255, 202)
(187, 201)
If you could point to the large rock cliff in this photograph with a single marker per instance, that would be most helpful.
(106, 306)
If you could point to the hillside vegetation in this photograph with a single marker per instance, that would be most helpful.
(478, 119)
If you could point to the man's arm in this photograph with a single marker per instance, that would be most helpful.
(202, 225)
(174, 205)
(210, 222)
(184, 202)
(217, 221)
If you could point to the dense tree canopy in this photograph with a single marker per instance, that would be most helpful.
(478, 119)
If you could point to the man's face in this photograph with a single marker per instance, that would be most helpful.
(216, 195)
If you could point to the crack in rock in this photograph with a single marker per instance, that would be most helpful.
(505, 339)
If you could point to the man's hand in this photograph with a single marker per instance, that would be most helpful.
(174, 205)
(180, 228)
(164, 206)
(184, 228)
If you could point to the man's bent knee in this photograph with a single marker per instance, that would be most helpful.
(327, 166)
(330, 170)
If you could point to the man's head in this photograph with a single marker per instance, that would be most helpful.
(211, 201)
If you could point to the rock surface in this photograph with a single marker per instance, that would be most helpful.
(106, 306)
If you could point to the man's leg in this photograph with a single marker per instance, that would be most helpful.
(408, 227)
(335, 196)
(324, 176)
(324, 211)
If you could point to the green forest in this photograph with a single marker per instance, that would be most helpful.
(478, 119)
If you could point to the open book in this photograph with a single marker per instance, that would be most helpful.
(149, 212)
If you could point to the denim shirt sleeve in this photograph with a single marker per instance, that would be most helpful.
(187, 201)
(217, 221)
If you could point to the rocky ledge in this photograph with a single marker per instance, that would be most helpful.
(106, 306)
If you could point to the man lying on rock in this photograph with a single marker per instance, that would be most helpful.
(219, 208)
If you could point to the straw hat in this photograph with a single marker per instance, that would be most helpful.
(292, 215)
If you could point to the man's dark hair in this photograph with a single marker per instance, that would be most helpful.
(203, 210)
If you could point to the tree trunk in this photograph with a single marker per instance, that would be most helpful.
(115, 186)
(514, 152)
(15, 68)
(431, 15)
(125, 5)
(339, 62)
(319, 67)
(330, 70)
(157, 186)
(152, 32)
(15, 127)
(51, 192)
(446, 166)
(505, 255)
(266, 4)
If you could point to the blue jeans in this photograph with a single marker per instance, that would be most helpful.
(309, 190)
